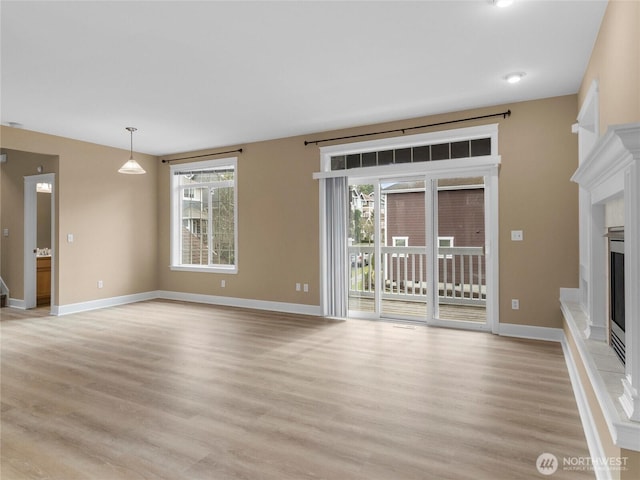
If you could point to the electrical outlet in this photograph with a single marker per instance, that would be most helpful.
(297, 287)
(69, 237)
(515, 304)
(100, 284)
(306, 287)
(5, 232)
(223, 283)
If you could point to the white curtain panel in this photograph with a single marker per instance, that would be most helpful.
(336, 198)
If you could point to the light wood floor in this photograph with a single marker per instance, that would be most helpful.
(179, 391)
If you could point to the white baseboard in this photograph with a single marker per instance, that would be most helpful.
(102, 303)
(16, 303)
(284, 307)
(531, 332)
(185, 297)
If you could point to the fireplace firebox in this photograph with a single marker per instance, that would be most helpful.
(616, 292)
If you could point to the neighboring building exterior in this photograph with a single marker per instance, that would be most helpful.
(460, 224)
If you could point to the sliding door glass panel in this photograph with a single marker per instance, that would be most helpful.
(360, 246)
(461, 262)
(402, 264)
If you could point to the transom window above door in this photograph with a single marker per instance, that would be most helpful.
(478, 147)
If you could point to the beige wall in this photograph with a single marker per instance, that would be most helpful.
(615, 64)
(278, 227)
(19, 164)
(121, 223)
(113, 218)
(278, 213)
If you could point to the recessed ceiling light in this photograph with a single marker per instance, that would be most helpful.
(502, 3)
(514, 77)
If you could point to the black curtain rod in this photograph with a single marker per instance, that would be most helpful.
(239, 150)
(403, 130)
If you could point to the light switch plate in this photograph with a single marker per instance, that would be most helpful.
(517, 235)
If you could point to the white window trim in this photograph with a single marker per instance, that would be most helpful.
(395, 239)
(450, 239)
(447, 167)
(176, 232)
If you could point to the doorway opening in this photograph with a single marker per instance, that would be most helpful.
(39, 240)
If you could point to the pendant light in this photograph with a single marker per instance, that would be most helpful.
(131, 166)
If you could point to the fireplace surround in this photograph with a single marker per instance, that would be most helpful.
(610, 174)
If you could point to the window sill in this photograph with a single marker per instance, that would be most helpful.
(605, 374)
(203, 269)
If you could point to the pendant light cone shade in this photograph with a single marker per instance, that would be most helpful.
(131, 167)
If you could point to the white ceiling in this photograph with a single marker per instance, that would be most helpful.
(192, 75)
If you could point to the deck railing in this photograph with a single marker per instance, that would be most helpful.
(404, 274)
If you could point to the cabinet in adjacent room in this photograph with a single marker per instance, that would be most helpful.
(43, 281)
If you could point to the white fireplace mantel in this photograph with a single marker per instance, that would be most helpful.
(611, 171)
(602, 172)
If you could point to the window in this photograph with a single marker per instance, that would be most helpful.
(445, 242)
(477, 147)
(400, 242)
(204, 216)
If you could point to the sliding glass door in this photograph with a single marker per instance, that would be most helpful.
(412, 232)
(363, 226)
(403, 249)
(416, 249)
(460, 264)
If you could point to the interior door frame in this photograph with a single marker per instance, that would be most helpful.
(30, 236)
(486, 166)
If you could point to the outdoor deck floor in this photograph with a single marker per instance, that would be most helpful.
(418, 310)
